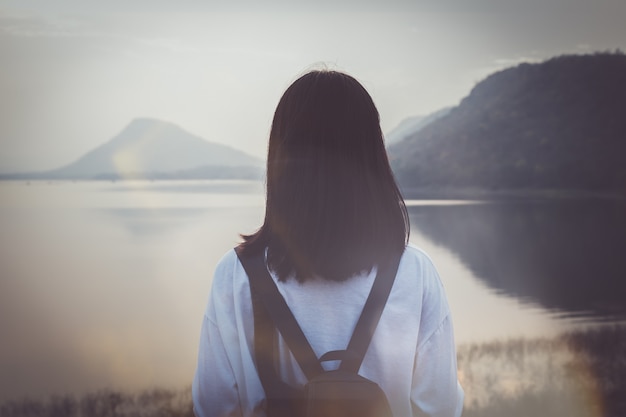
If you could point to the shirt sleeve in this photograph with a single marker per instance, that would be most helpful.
(435, 391)
(214, 388)
(226, 383)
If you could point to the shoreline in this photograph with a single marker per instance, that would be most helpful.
(408, 193)
(522, 194)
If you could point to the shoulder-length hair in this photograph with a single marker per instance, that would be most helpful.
(333, 208)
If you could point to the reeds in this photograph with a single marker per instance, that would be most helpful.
(578, 374)
(149, 403)
(581, 373)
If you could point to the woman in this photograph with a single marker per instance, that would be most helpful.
(333, 214)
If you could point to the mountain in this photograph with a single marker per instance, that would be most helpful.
(149, 148)
(555, 125)
(412, 125)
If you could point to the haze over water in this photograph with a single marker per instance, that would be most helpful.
(104, 284)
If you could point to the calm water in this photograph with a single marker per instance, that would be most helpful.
(104, 284)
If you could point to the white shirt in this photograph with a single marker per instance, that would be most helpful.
(412, 354)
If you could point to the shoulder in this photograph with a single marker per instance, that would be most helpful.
(229, 283)
(415, 262)
(416, 255)
(417, 276)
(227, 265)
(225, 272)
(417, 271)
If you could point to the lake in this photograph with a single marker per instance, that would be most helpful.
(103, 285)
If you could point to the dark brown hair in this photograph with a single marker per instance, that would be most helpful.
(333, 208)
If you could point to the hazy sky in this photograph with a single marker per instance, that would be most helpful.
(75, 72)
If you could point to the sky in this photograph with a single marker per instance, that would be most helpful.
(74, 73)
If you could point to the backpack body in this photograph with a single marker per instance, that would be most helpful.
(336, 393)
(341, 394)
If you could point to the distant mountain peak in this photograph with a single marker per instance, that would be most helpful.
(144, 130)
(148, 122)
(148, 146)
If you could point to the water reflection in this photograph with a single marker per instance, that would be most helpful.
(151, 222)
(228, 187)
(565, 255)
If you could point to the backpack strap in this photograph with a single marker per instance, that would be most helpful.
(281, 398)
(370, 316)
(262, 283)
(279, 313)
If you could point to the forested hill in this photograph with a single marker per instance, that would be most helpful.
(559, 124)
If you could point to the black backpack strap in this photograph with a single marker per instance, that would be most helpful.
(281, 398)
(276, 308)
(364, 329)
(262, 283)
(264, 346)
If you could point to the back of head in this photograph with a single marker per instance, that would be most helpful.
(333, 208)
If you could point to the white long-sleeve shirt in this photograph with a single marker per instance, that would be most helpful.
(412, 354)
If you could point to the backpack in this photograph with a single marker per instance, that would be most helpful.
(336, 393)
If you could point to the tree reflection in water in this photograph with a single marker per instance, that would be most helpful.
(566, 255)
